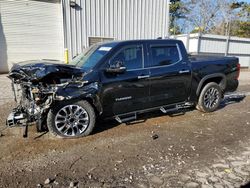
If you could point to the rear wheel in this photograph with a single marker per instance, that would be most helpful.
(71, 119)
(210, 98)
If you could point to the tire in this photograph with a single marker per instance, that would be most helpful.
(71, 119)
(210, 98)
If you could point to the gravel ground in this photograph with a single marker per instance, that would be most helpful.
(245, 77)
(176, 150)
(6, 94)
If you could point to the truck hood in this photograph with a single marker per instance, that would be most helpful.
(43, 70)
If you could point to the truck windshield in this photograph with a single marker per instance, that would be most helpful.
(90, 57)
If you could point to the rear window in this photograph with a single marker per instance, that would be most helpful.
(164, 55)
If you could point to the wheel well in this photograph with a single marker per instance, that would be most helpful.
(219, 80)
(88, 99)
(91, 102)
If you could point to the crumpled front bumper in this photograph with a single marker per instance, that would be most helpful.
(16, 118)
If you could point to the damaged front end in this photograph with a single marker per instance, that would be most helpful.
(32, 102)
(37, 86)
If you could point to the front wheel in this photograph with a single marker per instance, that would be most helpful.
(71, 119)
(210, 98)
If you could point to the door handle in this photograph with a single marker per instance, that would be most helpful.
(184, 71)
(145, 76)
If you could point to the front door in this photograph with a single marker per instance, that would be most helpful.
(128, 91)
(170, 76)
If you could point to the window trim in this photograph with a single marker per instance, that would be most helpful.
(129, 46)
(165, 45)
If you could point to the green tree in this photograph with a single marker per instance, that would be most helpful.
(240, 26)
(202, 15)
(243, 29)
(245, 10)
(176, 11)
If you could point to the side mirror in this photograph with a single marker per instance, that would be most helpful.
(118, 68)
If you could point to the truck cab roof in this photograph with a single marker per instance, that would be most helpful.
(180, 45)
(116, 42)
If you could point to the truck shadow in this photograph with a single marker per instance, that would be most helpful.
(103, 125)
(247, 185)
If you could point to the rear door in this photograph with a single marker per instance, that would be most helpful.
(128, 91)
(170, 76)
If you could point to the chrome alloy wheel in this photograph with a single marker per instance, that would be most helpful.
(71, 120)
(211, 98)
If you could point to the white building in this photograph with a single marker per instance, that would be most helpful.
(42, 29)
(207, 44)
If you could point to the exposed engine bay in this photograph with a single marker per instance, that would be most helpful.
(38, 86)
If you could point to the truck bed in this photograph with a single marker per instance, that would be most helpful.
(208, 58)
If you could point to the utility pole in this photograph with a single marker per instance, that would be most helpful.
(228, 33)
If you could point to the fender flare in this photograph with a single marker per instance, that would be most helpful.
(222, 84)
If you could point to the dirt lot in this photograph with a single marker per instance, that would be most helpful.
(178, 150)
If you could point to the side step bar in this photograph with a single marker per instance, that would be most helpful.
(165, 109)
(125, 119)
(176, 107)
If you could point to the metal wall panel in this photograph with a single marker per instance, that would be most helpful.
(193, 45)
(118, 19)
(30, 30)
(208, 45)
(239, 47)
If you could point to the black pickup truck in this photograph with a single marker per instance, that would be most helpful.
(117, 80)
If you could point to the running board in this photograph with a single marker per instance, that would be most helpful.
(121, 119)
(176, 107)
(165, 109)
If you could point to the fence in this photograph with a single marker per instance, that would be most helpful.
(218, 45)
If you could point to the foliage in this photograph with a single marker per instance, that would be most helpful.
(245, 10)
(243, 29)
(224, 17)
(176, 11)
(202, 14)
(240, 25)
(175, 30)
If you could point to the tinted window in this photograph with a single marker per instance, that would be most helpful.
(131, 57)
(164, 55)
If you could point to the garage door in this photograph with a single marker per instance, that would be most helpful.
(30, 30)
